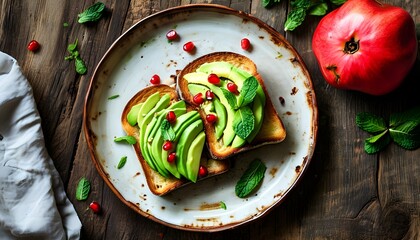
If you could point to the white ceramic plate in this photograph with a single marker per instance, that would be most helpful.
(143, 51)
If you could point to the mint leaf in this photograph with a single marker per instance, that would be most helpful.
(397, 119)
(230, 98)
(407, 135)
(122, 162)
(318, 10)
(370, 123)
(113, 96)
(243, 122)
(80, 66)
(129, 139)
(269, 3)
(377, 143)
(250, 179)
(338, 2)
(294, 19)
(82, 189)
(167, 131)
(223, 205)
(72, 46)
(248, 91)
(92, 14)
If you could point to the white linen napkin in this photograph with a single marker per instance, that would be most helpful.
(33, 202)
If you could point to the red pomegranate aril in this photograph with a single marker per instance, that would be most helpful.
(167, 146)
(198, 98)
(171, 157)
(245, 44)
(209, 95)
(33, 46)
(96, 208)
(202, 171)
(155, 79)
(171, 117)
(172, 35)
(189, 46)
(213, 79)
(233, 88)
(211, 118)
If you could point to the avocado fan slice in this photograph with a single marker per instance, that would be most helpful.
(194, 156)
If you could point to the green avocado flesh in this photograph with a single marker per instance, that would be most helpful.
(150, 116)
(224, 126)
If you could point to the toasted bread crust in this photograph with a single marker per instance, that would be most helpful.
(272, 130)
(158, 184)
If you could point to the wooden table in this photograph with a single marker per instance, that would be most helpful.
(345, 193)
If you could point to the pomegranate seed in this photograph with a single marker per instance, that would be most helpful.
(33, 46)
(245, 44)
(96, 208)
(167, 146)
(198, 98)
(172, 35)
(211, 118)
(155, 79)
(189, 46)
(233, 88)
(213, 79)
(202, 171)
(171, 157)
(209, 95)
(171, 117)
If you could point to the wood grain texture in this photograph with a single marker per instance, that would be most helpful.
(345, 194)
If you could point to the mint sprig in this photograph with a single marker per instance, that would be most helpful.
(79, 64)
(93, 13)
(403, 129)
(248, 91)
(167, 131)
(243, 122)
(251, 178)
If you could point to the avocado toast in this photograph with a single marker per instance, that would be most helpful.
(227, 87)
(170, 139)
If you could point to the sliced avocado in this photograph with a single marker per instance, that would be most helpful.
(194, 156)
(184, 143)
(238, 142)
(183, 122)
(148, 105)
(195, 89)
(201, 78)
(155, 149)
(220, 124)
(221, 69)
(133, 113)
(162, 103)
(258, 110)
(171, 167)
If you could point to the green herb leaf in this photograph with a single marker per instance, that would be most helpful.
(65, 24)
(129, 139)
(113, 96)
(397, 119)
(82, 189)
(338, 2)
(294, 19)
(407, 135)
(230, 98)
(250, 179)
(167, 131)
(92, 14)
(318, 10)
(269, 3)
(377, 143)
(370, 123)
(72, 46)
(248, 91)
(122, 162)
(243, 122)
(222, 205)
(80, 66)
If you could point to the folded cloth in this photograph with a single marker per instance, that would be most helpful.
(33, 202)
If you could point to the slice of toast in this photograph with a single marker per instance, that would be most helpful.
(158, 184)
(272, 129)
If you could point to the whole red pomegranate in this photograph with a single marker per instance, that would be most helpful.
(366, 46)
